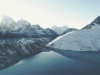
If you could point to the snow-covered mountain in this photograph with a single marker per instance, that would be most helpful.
(81, 40)
(7, 23)
(62, 30)
(21, 39)
(22, 28)
(94, 23)
(22, 23)
(51, 32)
(59, 30)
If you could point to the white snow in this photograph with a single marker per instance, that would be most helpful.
(59, 30)
(36, 26)
(24, 41)
(81, 40)
(22, 23)
(8, 23)
(21, 26)
(7, 20)
(38, 29)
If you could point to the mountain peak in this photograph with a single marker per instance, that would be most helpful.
(97, 20)
(24, 22)
(59, 27)
(93, 24)
(7, 20)
(59, 30)
(36, 26)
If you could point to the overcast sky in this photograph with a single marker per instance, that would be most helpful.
(46, 13)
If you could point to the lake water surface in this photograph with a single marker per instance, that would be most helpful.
(52, 63)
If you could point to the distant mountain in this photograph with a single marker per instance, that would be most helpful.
(87, 39)
(95, 23)
(51, 32)
(69, 30)
(8, 23)
(62, 30)
(21, 29)
(59, 30)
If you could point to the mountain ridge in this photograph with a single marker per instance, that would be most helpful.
(22, 28)
(86, 39)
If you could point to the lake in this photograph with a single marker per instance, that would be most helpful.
(53, 63)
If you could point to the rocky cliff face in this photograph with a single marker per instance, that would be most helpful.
(12, 51)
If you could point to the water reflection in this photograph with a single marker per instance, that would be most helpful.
(52, 63)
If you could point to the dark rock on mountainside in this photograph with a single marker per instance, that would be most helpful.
(28, 32)
(69, 30)
(51, 32)
(94, 23)
(12, 51)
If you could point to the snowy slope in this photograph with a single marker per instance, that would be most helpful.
(22, 23)
(59, 30)
(8, 23)
(7, 20)
(81, 40)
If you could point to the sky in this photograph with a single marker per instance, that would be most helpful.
(47, 13)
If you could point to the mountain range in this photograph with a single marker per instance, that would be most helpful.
(21, 39)
(22, 28)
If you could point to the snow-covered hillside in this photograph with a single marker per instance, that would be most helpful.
(59, 30)
(81, 40)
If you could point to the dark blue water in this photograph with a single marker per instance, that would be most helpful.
(52, 63)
